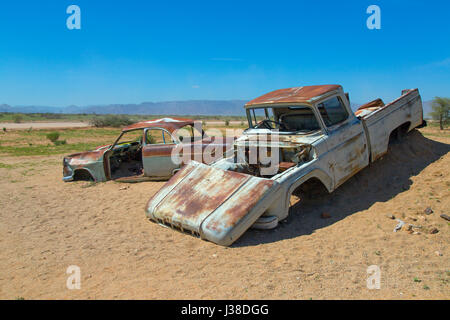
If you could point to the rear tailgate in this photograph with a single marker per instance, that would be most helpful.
(212, 203)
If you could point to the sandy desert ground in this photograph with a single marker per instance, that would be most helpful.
(47, 225)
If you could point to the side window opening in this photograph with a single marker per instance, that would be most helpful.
(157, 136)
(189, 133)
(333, 111)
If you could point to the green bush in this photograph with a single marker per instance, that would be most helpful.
(53, 136)
(17, 118)
(111, 121)
(227, 122)
(60, 142)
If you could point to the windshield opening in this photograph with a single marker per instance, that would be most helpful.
(130, 137)
(296, 118)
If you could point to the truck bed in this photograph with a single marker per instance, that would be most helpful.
(381, 120)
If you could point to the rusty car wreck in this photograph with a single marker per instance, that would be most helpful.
(141, 152)
(317, 139)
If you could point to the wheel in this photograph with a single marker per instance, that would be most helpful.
(266, 223)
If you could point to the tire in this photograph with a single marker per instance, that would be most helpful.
(265, 223)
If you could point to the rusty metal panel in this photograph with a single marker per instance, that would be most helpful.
(216, 204)
(91, 161)
(372, 104)
(169, 186)
(381, 122)
(157, 160)
(293, 95)
(197, 196)
(240, 212)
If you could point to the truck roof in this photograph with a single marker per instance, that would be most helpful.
(293, 95)
(170, 124)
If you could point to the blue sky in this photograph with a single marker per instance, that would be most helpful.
(134, 51)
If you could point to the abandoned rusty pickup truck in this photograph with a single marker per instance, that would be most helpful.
(141, 152)
(318, 140)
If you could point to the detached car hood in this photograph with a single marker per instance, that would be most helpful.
(214, 204)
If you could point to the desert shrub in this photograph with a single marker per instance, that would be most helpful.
(111, 121)
(227, 122)
(51, 115)
(18, 118)
(53, 136)
(60, 142)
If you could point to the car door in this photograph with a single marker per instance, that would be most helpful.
(191, 143)
(157, 153)
(346, 141)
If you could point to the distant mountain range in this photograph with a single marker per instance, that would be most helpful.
(188, 107)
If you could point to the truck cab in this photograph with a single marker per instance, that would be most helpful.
(324, 119)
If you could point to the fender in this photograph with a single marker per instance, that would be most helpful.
(280, 208)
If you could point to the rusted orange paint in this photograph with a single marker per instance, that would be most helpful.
(293, 95)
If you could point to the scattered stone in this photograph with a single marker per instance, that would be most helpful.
(399, 225)
(438, 253)
(390, 216)
(446, 217)
(412, 218)
(124, 188)
(325, 215)
(428, 210)
(408, 227)
(434, 230)
(416, 232)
